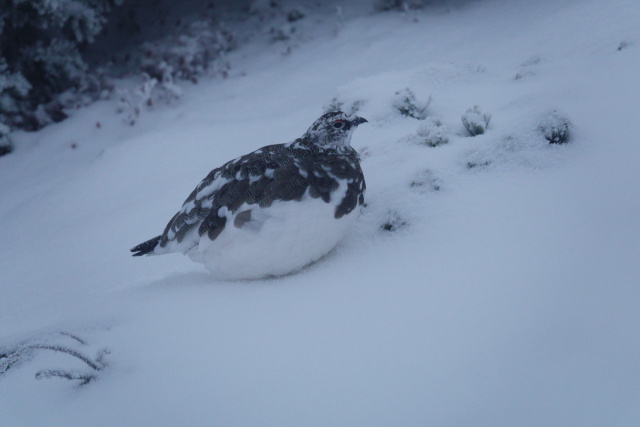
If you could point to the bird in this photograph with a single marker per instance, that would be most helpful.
(273, 211)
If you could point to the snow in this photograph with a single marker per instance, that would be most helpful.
(505, 294)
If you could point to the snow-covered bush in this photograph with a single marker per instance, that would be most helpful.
(190, 54)
(288, 29)
(282, 19)
(555, 127)
(282, 32)
(481, 164)
(40, 43)
(426, 181)
(401, 5)
(337, 104)
(431, 133)
(132, 102)
(393, 222)
(295, 14)
(5, 142)
(44, 73)
(14, 89)
(406, 103)
(475, 121)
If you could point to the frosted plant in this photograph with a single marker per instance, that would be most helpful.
(40, 59)
(334, 105)
(132, 102)
(200, 49)
(5, 142)
(431, 133)
(406, 103)
(475, 121)
(13, 89)
(426, 181)
(399, 5)
(555, 127)
(393, 222)
(337, 104)
(168, 90)
(295, 14)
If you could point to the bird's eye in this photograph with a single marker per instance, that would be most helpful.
(338, 124)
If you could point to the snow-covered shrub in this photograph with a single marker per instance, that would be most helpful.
(555, 127)
(288, 29)
(406, 103)
(348, 107)
(40, 43)
(401, 5)
(393, 222)
(14, 89)
(59, 61)
(5, 142)
(426, 181)
(200, 50)
(475, 121)
(282, 32)
(132, 102)
(431, 133)
(295, 14)
(481, 164)
(263, 8)
(43, 73)
(282, 18)
(167, 89)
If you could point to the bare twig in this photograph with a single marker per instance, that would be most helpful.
(25, 351)
(68, 351)
(84, 378)
(72, 336)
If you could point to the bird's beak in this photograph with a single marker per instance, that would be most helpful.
(358, 121)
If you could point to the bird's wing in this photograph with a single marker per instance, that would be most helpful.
(257, 178)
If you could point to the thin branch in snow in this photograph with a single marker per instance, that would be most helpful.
(72, 336)
(24, 352)
(84, 378)
(93, 365)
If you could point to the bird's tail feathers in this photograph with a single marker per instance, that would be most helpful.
(147, 247)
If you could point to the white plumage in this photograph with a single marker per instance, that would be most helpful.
(278, 240)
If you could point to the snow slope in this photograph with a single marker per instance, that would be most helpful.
(506, 292)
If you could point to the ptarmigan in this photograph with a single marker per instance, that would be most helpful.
(272, 211)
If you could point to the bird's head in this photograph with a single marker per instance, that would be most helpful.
(333, 130)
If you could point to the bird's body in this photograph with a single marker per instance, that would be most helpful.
(274, 210)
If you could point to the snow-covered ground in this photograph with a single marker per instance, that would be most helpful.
(490, 281)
